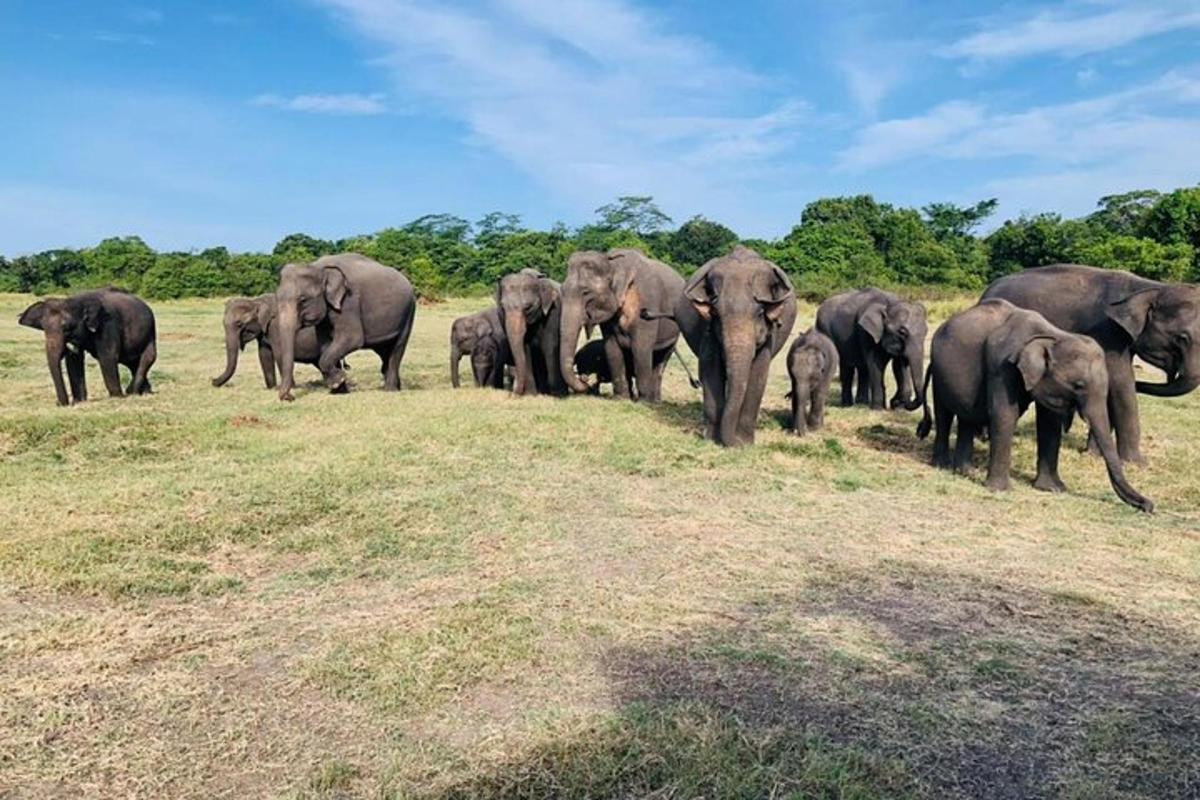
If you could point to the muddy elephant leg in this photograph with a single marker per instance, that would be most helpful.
(76, 376)
(615, 357)
(1049, 440)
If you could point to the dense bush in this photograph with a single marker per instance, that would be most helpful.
(840, 242)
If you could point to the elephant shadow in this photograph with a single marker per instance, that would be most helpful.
(894, 681)
(686, 416)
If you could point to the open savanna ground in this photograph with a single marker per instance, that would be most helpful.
(438, 593)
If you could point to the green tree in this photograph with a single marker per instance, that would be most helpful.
(1123, 214)
(496, 225)
(1145, 257)
(440, 226)
(697, 241)
(947, 221)
(1029, 241)
(121, 261)
(635, 214)
(1175, 219)
(302, 247)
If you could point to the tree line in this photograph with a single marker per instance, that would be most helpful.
(839, 242)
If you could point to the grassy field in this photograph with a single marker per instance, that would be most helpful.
(439, 594)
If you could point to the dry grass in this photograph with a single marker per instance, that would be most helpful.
(207, 593)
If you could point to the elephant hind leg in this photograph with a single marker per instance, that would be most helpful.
(391, 367)
(140, 383)
(964, 448)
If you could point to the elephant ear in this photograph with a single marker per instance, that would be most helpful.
(872, 320)
(778, 292)
(93, 313)
(265, 312)
(622, 264)
(547, 294)
(1033, 360)
(335, 287)
(1132, 312)
(32, 316)
(696, 290)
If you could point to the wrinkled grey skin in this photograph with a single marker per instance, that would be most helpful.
(592, 361)
(1127, 316)
(611, 290)
(736, 314)
(811, 362)
(467, 332)
(489, 358)
(989, 363)
(353, 302)
(115, 327)
(529, 307)
(870, 328)
(252, 319)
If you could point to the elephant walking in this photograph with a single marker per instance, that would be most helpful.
(612, 290)
(870, 328)
(810, 363)
(989, 363)
(253, 319)
(736, 314)
(114, 326)
(353, 302)
(528, 303)
(1127, 316)
(483, 331)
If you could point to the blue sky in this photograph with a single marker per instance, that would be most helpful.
(196, 123)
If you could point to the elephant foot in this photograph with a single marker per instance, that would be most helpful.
(999, 484)
(1049, 483)
(1135, 458)
(287, 397)
(899, 403)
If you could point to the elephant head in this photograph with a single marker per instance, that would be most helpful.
(246, 320)
(900, 328)
(749, 307)
(67, 323)
(526, 299)
(597, 289)
(307, 295)
(466, 333)
(1164, 323)
(1065, 373)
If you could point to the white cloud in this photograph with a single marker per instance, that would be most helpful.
(339, 104)
(900, 139)
(1076, 28)
(110, 37)
(590, 97)
(145, 16)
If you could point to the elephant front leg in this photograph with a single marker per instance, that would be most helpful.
(76, 376)
(615, 357)
(904, 387)
(1002, 424)
(331, 362)
(816, 408)
(846, 377)
(1123, 408)
(875, 367)
(108, 358)
(1049, 441)
(266, 360)
(755, 388)
(712, 383)
(643, 369)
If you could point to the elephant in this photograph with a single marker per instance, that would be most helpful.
(489, 357)
(114, 326)
(871, 327)
(736, 313)
(252, 319)
(529, 305)
(1127, 315)
(353, 302)
(810, 364)
(611, 290)
(994, 359)
(467, 332)
(592, 360)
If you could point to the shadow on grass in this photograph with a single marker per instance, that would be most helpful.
(912, 684)
(687, 417)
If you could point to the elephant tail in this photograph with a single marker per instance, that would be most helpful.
(695, 383)
(926, 423)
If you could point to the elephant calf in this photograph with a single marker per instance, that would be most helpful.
(989, 363)
(116, 327)
(592, 360)
(252, 319)
(810, 365)
(489, 358)
(473, 332)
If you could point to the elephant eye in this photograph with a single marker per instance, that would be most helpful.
(1183, 337)
(1080, 385)
(903, 331)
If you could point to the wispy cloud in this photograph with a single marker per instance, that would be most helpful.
(338, 104)
(1076, 28)
(591, 97)
(112, 37)
(144, 15)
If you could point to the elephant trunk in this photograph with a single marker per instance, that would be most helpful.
(232, 346)
(289, 323)
(1187, 380)
(739, 351)
(915, 356)
(515, 327)
(1096, 415)
(54, 357)
(926, 423)
(456, 355)
(568, 341)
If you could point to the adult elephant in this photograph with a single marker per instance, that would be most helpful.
(612, 290)
(736, 313)
(467, 332)
(253, 319)
(114, 326)
(1127, 316)
(353, 302)
(529, 305)
(989, 363)
(871, 327)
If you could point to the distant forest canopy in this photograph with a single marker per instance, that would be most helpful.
(840, 242)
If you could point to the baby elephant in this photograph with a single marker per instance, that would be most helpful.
(989, 363)
(810, 365)
(592, 360)
(488, 359)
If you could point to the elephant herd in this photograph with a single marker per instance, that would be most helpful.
(1061, 338)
